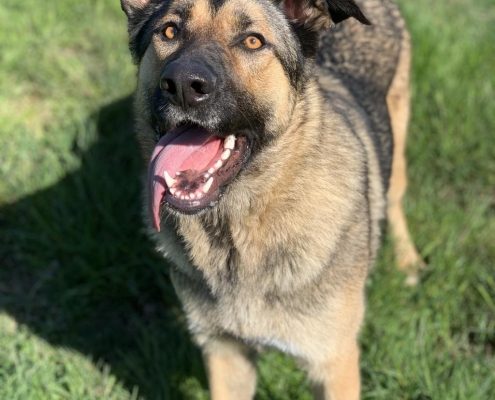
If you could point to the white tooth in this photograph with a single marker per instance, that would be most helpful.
(192, 196)
(178, 194)
(199, 195)
(225, 155)
(207, 186)
(207, 176)
(218, 164)
(211, 171)
(173, 191)
(183, 197)
(229, 142)
(170, 181)
(178, 173)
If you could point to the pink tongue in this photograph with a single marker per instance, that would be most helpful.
(194, 149)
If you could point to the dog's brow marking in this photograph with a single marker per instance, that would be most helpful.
(216, 4)
(183, 12)
(243, 22)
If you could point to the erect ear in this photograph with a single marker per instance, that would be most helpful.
(131, 7)
(321, 14)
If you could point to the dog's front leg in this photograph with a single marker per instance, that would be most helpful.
(231, 370)
(338, 378)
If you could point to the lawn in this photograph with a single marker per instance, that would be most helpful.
(86, 307)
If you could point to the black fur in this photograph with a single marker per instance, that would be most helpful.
(142, 24)
(340, 10)
(216, 4)
(308, 39)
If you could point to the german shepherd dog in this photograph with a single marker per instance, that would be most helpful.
(274, 134)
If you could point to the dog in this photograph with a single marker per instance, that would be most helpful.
(274, 134)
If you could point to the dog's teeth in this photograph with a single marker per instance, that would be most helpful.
(229, 142)
(218, 164)
(192, 196)
(225, 155)
(211, 171)
(178, 194)
(178, 173)
(207, 176)
(169, 180)
(207, 186)
(173, 191)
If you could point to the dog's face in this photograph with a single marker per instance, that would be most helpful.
(218, 80)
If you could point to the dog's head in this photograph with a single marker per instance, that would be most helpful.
(218, 80)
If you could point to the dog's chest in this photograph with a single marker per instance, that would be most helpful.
(260, 323)
(250, 257)
(241, 313)
(241, 286)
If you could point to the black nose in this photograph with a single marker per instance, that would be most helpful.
(188, 85)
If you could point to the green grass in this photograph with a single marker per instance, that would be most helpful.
(86, 308)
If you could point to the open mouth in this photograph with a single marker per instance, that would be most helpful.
(189, 168)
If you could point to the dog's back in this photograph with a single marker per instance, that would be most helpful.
(366, 58)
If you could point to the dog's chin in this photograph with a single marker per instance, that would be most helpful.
(192, 166)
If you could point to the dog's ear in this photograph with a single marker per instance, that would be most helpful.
(321, 14)
(342, 9)
(133, 7)
(138, 13)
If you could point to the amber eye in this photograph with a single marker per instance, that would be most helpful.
(170, 32)
(253, 42)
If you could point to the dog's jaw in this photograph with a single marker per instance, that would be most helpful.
(191, 167)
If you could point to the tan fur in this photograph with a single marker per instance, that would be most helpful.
(398, 101)
(231, 372)
(341, 376)
(200, 20)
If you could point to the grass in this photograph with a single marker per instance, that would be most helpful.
(82, 320)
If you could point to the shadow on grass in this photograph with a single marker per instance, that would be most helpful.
(78, 270)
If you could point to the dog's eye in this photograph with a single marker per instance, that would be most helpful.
(170, 31)
(253, 42)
